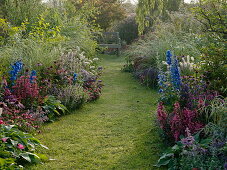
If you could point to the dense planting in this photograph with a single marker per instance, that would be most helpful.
(48, 69)
(191, 111)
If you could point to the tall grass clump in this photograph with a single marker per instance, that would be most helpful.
(178, 34)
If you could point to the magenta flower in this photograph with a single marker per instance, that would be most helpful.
(20, 146)
(4, 139)
(1, 122)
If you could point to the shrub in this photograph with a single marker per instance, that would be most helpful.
(18, 148)
(194, 152)
(72, 96)
(128, 29)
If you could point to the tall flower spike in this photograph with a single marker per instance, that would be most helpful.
(74, 77)
(168, 57)
(175, 75)
(32, 76)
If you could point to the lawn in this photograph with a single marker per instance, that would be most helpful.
(115, 132)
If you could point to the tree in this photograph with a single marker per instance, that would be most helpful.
(148, 10)
(109, 11)
(213, 15)
(16, 11)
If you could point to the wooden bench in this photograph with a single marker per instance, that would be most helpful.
(110, 40)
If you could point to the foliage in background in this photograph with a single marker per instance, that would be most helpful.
(148, 11)
(212, 15)
(147, 53)
(128, 30)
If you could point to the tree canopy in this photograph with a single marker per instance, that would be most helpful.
(148, 10)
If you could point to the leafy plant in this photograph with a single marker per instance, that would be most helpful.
(18, 148)
(53, 107)
(72, 96)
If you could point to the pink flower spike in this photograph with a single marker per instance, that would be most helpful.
(20, 146)
(4, 140)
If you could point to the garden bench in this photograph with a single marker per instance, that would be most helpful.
(110, 40)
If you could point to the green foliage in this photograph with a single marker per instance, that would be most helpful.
(54, 107)
(216, 112)
(179, 34)
(212, 14)
(18, 148)
(7, 31)
(196, 152)
(17, 11)
(72, 96)
(147, 11)
(128, 29)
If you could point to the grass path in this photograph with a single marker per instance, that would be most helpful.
(114, 132)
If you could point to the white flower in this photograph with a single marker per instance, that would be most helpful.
(95, 59)
(192, 58)
(164, 62)
(188, 59)
(181, 65)
(86, 63)
(81, 56)
(92, 67)
(77, 48)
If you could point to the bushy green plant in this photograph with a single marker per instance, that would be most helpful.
(18, 148)
(216, 112)
(128, 29)
(53, 107)
(194, 152)
(72, 96)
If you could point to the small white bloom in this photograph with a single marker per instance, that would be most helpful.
(192, 58)
(188, 59)
(87, 63)
(181, 65)
(95, 59)
(164, 62)
(92, 67)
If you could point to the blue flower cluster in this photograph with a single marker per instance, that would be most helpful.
(168, 57)
(175, 75)
(162, 82)
(74, 77)
(32, 76)
(16, 68)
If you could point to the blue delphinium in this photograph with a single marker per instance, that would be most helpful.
(162, 82)
(175, 75)
(16, 68)
(33, 74)
(168, 57)
(74, 77)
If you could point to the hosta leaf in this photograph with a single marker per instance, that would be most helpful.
(26, 157)
(164, 159)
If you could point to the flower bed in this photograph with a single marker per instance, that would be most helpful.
(30, 98)
(192, 118)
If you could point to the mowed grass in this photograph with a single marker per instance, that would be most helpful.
(115, 132)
